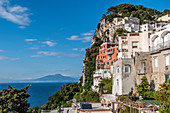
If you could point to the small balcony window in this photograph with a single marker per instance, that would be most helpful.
(127, 69)
(166, 78)
(142, 67)
(134, 44)
(113, 50)
(156, 61)
(167, 60)
(117, 69)
(117, 82)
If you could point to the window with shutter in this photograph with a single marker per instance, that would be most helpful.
(167, 60)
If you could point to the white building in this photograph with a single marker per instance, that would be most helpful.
(152, 27)
(123, 76)
(164, 18)
(133, 42)
(130, 23)
(160, 39)
(98, 76)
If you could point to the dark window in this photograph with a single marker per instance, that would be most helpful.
(166, 78)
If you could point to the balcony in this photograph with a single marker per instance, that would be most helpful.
(101, 49)
(160, 46)
(141, 72)
(110, 58)
(111, 52)
(97, 75)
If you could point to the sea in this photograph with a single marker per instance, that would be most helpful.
(39, 92)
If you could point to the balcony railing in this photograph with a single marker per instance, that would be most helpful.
(160, 45)
(141, 72)
(111, 52)
(101, 49)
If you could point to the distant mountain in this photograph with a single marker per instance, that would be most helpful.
(54, 78)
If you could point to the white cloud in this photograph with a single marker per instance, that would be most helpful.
(33, 48)
(1, 50)
(36, 56)
(16, 14)
(84, 39)
(8, 58)
(77, 49)
(74, 37)
(49, 43)
(51, 53)
(30, 40)
(87, 34)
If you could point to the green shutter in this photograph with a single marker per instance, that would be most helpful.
(166, 78)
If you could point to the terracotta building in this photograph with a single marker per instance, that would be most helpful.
(108, 53)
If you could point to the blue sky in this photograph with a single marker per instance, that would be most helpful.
(41, 37)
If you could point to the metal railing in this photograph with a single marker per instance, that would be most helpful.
(111, 52)
(160, 45)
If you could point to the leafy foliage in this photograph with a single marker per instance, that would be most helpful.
(139, 11)
(164, 93)
(87, 96)
(106, 86)
(90, 63)
(63, 96)
(164, 110)
(13, 100)
(35, 109)
(144, 89)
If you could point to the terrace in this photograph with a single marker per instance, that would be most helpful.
(161, 46)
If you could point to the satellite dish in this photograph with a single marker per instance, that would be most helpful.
(74, 100)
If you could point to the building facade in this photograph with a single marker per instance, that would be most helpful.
(155, 64)
(98, 76)
(164, 18)
(123, 76)
(107, 55)
(133, 42)
(130, 23)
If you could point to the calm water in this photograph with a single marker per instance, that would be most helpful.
(39, 91)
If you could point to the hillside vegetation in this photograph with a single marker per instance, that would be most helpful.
(126, 10)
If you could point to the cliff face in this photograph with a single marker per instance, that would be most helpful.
(106, 30)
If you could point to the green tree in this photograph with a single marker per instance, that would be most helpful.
(35, 109)
(62, 97)
(106, 84)
(143, 88)
(164, 93)
(13, 100)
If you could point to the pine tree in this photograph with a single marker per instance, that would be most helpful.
(13, 100)
(143, 88)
